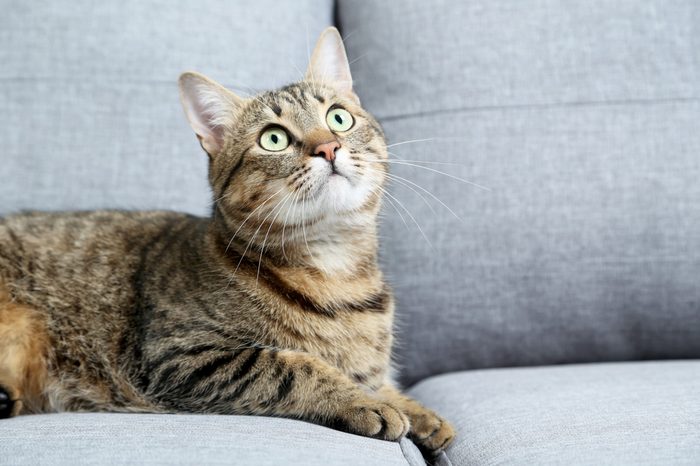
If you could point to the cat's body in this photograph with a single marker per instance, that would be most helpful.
(274, 305)
(122, 289)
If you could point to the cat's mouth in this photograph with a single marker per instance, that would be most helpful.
(334, 182)
(335, 172)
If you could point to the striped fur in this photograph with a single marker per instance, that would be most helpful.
(274, 305)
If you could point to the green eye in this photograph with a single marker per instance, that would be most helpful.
(274, 139)
(339, 120)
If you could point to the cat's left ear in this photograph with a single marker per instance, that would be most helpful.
(329, 63)
(209, 108)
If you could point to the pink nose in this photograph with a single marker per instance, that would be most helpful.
(327, 150)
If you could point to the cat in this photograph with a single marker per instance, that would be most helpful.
(273, 306)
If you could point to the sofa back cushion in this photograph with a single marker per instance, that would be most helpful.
(89, 109)
(581, 119)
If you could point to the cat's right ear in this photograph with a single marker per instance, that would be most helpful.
(209, 108)
(329, 62)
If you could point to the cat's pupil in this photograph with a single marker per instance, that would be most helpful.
(274, 138)
(339, 119)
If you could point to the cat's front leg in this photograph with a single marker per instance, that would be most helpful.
(282, 383)
(428, 430)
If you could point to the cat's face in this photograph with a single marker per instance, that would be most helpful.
(304, 152)
(311, 145)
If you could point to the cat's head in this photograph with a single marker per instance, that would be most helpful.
(302, 153)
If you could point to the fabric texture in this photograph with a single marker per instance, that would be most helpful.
(89, 109)
(596, 414)
(74, 439)
(580, 119)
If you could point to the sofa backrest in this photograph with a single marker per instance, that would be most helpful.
(89, 109)
(582, 120)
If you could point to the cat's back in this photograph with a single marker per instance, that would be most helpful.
(49, 233)
(43, 251)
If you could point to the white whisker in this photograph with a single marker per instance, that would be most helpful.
(412, 218)
(312, 80)
(399, 162)
(347, 36)
(403, 183)
(250, 241)
(424, 161)
(358, 58)
(301, 73)
(395, 208)
(408, 183)
(303, 226)
(284, 227)
(279, 208)
(409, 142)
(400, 179)
(248, 217)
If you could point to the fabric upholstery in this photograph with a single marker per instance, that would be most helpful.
(71, 439)
(89, 109)
(596, 414)
(581, 120)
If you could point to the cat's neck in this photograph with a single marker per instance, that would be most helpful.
(337, 245)
(341, 245)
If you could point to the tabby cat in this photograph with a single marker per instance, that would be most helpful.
(272, 306)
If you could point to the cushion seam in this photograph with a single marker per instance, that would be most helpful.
(546, 105)
(405, 455)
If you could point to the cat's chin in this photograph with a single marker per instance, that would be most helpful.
(340, 195)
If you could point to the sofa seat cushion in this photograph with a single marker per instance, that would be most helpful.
(614, 413)
(189, 439)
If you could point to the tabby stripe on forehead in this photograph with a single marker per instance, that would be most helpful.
(276, 108)
(301, 90)
(287, 99)
(297, 94)
(289, 90)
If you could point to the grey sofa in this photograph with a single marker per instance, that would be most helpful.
(556, 321)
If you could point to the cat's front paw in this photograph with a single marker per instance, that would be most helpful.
(429, 431)
(373, 418)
